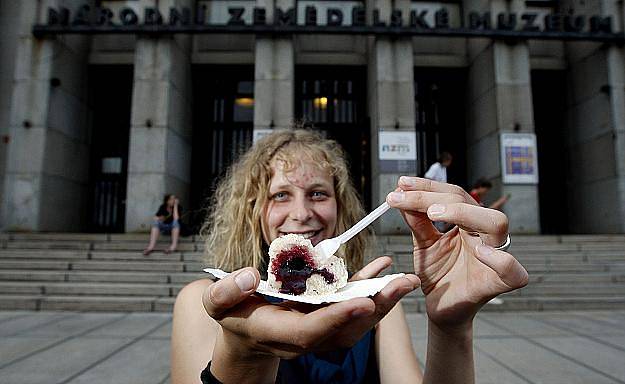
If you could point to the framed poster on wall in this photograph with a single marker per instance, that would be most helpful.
(397, 152)
(519, 162)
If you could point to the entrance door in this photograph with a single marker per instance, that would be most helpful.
(549, 102)
(111, 99)
(333, 100)
(223, 122)
(440, 120)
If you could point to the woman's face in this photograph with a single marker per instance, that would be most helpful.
(301, 201)
(171, 200)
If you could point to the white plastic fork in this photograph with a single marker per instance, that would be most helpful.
(328, 247)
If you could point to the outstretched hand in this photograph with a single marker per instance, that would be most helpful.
(459, 270)
(255, 327)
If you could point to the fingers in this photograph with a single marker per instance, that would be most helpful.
(408, 183)
(373, 269)
(509, 270)
(226, 293)
(419, 201)
(491, 224)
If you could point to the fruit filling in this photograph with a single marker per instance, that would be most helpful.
(293, 266)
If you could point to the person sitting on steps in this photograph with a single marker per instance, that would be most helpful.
(166, 221)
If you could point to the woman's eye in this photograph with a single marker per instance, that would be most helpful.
(319, 195)
(280, 196)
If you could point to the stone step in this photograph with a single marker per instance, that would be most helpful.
(43, 254)
(87, 303)
(538, 303)
(47, 245)
(104, 265)
(407, 266)
(88, 288)
(91, 276)
(91, 237)
(585, 289)
(575, 278)
(140, 246)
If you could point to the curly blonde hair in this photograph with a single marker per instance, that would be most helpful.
(232, 231)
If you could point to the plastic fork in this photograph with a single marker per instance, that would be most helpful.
(328, 247)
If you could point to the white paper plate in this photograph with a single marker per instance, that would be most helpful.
(360, 288)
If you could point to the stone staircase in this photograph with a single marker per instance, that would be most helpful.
(107, 272)
(568, 272)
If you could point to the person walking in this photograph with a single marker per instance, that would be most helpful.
(438, 170)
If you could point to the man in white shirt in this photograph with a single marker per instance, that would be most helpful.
(438, 170)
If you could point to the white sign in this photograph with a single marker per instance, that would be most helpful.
(260, 133)
(519, 163)
(396, 145)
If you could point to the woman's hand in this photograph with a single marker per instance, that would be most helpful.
(460, 270)
(254, 330)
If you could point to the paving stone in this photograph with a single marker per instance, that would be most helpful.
(512, 323)
(132, 365)
(599, 356)
(537, 364)
(75, 324)
(13, 348)
(133, 325)
(29, 323)
(60, 362)
(163, 332)
(578, 324)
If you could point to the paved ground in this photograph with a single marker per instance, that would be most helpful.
(521, 347)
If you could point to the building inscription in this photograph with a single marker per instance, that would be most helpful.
(91, 20)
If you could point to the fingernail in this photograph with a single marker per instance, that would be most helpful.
(396, 197)
(245, 281)
(485, 250)
(360, 312)
(409, 181)
(436, 209)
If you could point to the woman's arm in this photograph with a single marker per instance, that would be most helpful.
(193, 335)
(397, 362)
(449, 355)
(175, 212)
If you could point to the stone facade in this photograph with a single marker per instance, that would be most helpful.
(45, 128)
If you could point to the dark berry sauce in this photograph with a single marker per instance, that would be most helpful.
(293, 267)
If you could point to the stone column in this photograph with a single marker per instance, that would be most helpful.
(596, 129)
(9, 26)
(47, 168)
(274, 75)
(391, 107)
(161, 123)
(500, 101)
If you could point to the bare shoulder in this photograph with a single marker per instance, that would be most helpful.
(191, 294)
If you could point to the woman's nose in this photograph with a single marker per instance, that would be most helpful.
(301, 210)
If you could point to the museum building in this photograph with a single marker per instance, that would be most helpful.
(105, 106)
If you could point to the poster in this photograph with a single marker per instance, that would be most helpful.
(397, 145)
(518, 158)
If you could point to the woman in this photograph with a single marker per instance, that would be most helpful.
(297, 182)
(166, 221)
